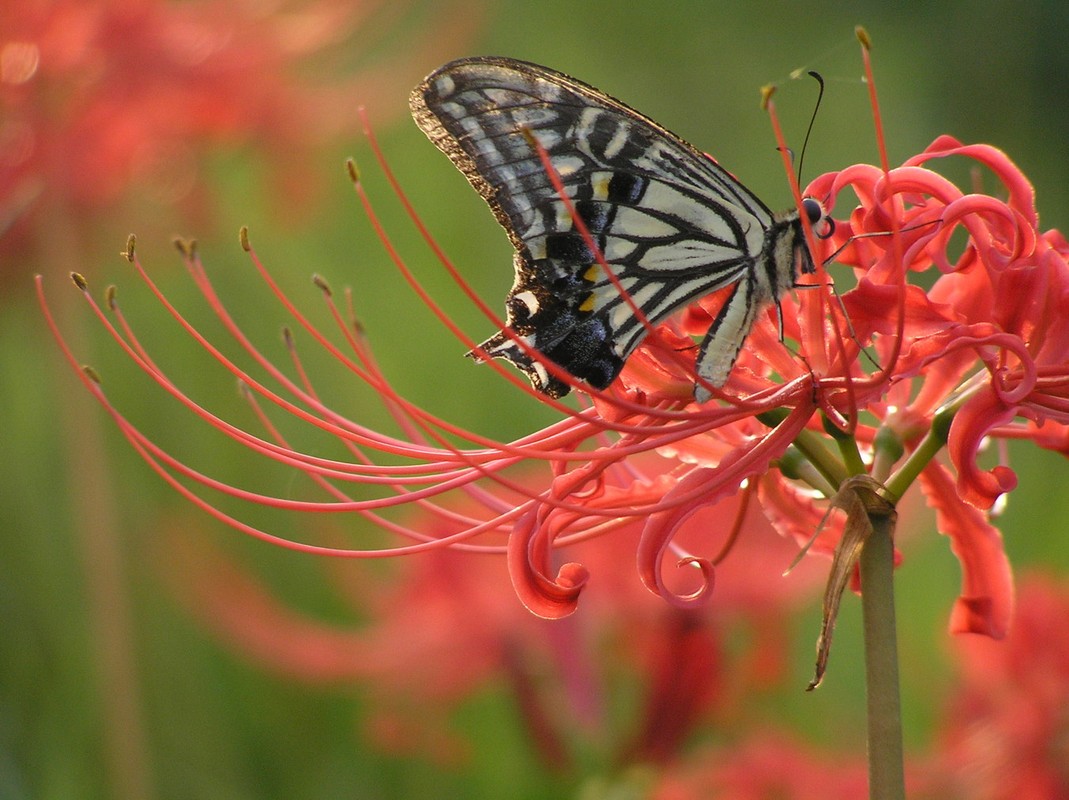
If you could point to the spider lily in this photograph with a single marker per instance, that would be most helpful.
(874, 386)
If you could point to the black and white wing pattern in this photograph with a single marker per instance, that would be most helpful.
(671, 224)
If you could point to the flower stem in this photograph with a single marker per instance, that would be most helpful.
(886, 772)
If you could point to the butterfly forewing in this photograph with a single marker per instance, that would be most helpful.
(671, 224)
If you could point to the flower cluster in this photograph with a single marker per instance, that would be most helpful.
(100, 96)
(890, 374)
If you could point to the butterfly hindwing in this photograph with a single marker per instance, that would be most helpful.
(671, 224)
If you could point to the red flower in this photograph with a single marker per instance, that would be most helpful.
(1007, 734)
(972, 365)
(949, 367)
(768, 765)
(99, 96)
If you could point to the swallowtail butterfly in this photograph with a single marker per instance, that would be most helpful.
(670, 223)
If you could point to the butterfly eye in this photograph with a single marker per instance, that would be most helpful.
(823, 225)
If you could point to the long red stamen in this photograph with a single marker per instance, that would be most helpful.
(896, 228)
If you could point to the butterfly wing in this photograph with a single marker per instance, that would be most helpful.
(671, 224)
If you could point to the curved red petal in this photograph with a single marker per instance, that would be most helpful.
(986, 602)
(982, 413)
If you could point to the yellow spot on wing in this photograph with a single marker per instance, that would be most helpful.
(593, 272)
(588, 304)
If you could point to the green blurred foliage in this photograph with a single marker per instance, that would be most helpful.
(214, 725)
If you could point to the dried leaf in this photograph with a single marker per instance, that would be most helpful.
(860, 498)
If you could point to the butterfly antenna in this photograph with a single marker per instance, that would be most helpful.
(816, 107)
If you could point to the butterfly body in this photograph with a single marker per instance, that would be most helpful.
(667, 220)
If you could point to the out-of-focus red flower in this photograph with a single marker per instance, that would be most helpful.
(766, 766)
(1007, 729)
(879, 392)
(437, 633)
(100, 96)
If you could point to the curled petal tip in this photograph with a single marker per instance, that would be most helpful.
(554, 599)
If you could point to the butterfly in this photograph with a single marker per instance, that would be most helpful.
(670, 223)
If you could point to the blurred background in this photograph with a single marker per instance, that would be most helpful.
(150, 651)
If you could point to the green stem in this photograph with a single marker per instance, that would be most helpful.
(934, 441)
(886, 772)
(812, 446)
